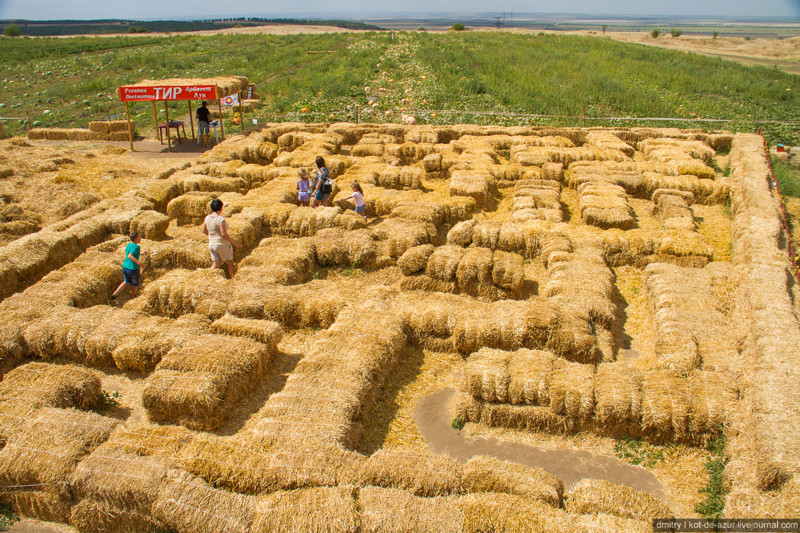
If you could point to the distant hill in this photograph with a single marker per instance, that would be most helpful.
(43, 28)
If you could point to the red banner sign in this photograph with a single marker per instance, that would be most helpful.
(169, 92)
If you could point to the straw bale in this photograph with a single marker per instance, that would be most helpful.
(334, 386)
(90, 516)
(224, 168)
(618, 397)
(160, 192)
(689, 326)
(529, 373)
(397, 235)
(605, 206)
(118, 136)
(474, 184)
(49, 446)
(423, 282)
(25, 260)
(82, 283)
(250, 466)
(582, 280)
(508, 271)
(204, 183)
(186, 503)
(187, 252)
(263, 331)
(205, 291)
(189, 208)
(594, 496)
(443, 262)
(474, 271)
(348, 248)
(666, 149)
(196, 383)
(254, 174)
(415, 259)
(608, 141)
(100, 126)
(305, 221)
(570, 389)
(666, 403)
(422, 211)
(554, 242)
(506, 324)
(151, 225)
(432, 163)
(713, 397)
(421, 473)
(488, 474)
(119, 479)
(319, 509)
(39, 504)
(395, 511)
(313, 304)
(490, 511)
(461, 233)
(39, 385)
(487, 375)
(282, 260)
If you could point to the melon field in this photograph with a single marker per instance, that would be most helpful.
(536, 328)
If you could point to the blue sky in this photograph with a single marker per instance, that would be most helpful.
(155, 9)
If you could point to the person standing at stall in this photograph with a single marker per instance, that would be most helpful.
(203, 124)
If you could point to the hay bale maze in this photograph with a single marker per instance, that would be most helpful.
(573, 285)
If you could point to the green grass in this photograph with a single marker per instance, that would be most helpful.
(7, 518)
(74, 79)
(788, 176)
(638, 452)
(714, 502)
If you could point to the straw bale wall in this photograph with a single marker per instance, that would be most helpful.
(313, 304)
(332, 389)
(581, 281)
(530, 389)
(281, 260)
(34, 386)
(476, 271)
(45, 452)
(689, 306)
(764, 452)
(605, 206)
(198, 382)
(537, 200)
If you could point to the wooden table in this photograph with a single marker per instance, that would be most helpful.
(177, 124)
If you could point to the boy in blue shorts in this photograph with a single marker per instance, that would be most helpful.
(131, 267)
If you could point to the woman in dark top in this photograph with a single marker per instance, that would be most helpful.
(323, 185)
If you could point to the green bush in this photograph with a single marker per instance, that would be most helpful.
(458, 27)
(11, 30)
(715, 34)
(138, 29)
(675, 32)
(655, 33)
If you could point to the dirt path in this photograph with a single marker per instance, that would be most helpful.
(571, 466)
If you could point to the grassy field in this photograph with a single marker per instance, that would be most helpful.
(68, 82)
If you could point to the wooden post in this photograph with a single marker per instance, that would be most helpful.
(221, 122)
(357, 114)
(155, 116)
(241, 111)
(130, 132)
(169, 139)
(191, 120)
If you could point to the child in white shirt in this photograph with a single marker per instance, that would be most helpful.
(358, 196)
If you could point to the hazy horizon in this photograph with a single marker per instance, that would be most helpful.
(360, 9)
